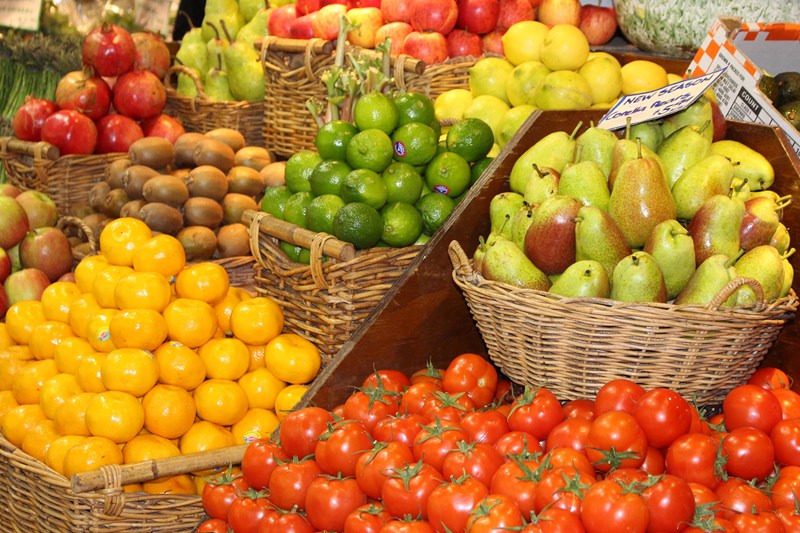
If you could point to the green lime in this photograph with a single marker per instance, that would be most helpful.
(403, 183)
(422, 239)
(299, 168)
(471, 138)
(327, 177)
(436, 126)
(321, 211)
(274, 200)
(478, 168)
(291, 250)
(402, 224)
(414, 107)
(435, 208)
(359, 224)
(414, 143)
(294, 210)
(370, 148)
(448, 173)
(376, 110)
(366, 186)
(332, 139)
(305, 256)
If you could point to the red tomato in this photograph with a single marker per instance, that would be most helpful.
(750, 453)
(571, 433)
(407, 526)
(371, 405)
(790, 403)
(429, 373)
(390, 380)
(785, 438)
(713, 523)
(607, 507)
(698, 425)
(617, 395)
(758, 523)
(471, 374)
(485, 426)
(663, 415)
(213, 525)
(290, 481)
(416, 397)
(401, 428)
(750, 405)
(615, 440)
(247, 511)
(736, 497)
(704, 496)
(536, 411)
(299, 430)
(494, 513)
(434, 442)
(219, 493)
(374, 467)
(692, 457)
(790, 518)
(579, 409)
(653, 462)
(503, 394)
(786, 487)
(670, 504)
(477, 459)
(286, 522)
(563, 488)
(770, 378)
(517, 479)
(368, 518)
(339, 448)
(447, 406)
(407, 489)
(558, 457)
(516, 442)
(330, 499)
(450, 503)
(260, 458)
(554, 520)
(628, 476)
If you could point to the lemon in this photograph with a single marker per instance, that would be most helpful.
(641, 75)
(525, 79)
(564, 48)
(604, 77)
(451, 104)
(511, 122)
(564, 89)
(489, 109)
(523, 41)
(488, 76)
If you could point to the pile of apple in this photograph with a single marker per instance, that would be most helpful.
(116, 99)
(433, 30)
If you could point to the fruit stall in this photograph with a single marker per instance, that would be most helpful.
(396, 266)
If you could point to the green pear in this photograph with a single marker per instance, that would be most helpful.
(502, 209)
(788, 275)
(216, 47)
(583, 279)
(780, 239)
(555, 150)
(586, 183)
(715, 227)
(705, 178)
(780, 202)
(626, 149)
(245, 71)
(761, 220)
(251, 8)
(595, 144)
(598, 238)
(542, 184)
(480, 251)
(193, 52)
(683, 148)
(749, 164)
(503, 261)
(740, 188)
(765, 265)
(638, 278)
(550, 239)
(649, 132)
(520, 224)
(217, 86)
(697, 114)
(256, 27)
(708, 279)
(221, 12)
(673, 249)
(186, 85)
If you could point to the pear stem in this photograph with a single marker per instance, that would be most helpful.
(732, 261)
(703, 126)
(188, 18)
(575, 131)
(539, 171)
(225, 30)
(638, 148)
(578, 151)
(628, 128)
(782, 202)
(788, 253)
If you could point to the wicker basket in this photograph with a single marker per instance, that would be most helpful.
(201, 114)
(65, 179)
(324, 301)
(574, 346)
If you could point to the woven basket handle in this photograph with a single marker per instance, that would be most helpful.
(183, 69)
(65, 222)
(458, 257)
(732, 286)
(37, 150)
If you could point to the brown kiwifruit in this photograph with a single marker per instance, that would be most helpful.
(115, 171)
(246, 180)
(200, 211)
(161, 217)
(207, 181)
(81, 249)
(81, 210)
(96, 223)
(74, 241)
(210, 151)
(254, 157)
(229, 136)
(184, 148)
(199, 242)
(134, 178)
(167, 189)
(97, 196)
(233, 240)
(234, 204)
(154, 152)
(274, 174)
(132, 208)
(181, 172)
(114, 201)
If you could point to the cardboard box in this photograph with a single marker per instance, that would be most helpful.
(748, 50)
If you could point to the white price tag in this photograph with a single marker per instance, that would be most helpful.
(20, 14)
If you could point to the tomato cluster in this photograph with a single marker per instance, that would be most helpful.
(456, 450)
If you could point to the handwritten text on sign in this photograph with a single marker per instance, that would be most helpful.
(641, 107)
(21, 14)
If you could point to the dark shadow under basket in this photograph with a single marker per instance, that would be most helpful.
(574, 346)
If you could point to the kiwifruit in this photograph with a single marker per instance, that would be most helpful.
(210, 151)
(200, 211)
(274, 174)
(81, 210)
(161, 217)
(114, 201)
(154, 152)
(199, 242)
(207, 181)
(181, 172)
(233, 240)
(167, 189)
(96, 223)
(234, 204)
(246, 180)
(132, 208)
(81, 249)
(229, 136)
(184, 148)
(255, 157)
(97, 196)
(74, 241)
(134, 178)
(115, 171)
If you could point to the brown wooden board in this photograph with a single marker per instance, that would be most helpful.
(425, 317)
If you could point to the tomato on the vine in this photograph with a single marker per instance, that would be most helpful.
(248, 510)
(608, 507)
(758, 523)
(517, 442)
(369, 518)
(581, 408)
(517, 479)
(410, 525)
(785, 438)
(213, 525)
(402, 428)
(260, 458)
(558, 457)
(473, 375)
(495, 512)
(435, 441)
(790, 403)
(416, 397)
(615, 440)
(407, 489)
(429, 373)
(536, 411)
(477, 459)
(786, 488)
(770, 378)
(292, 521)
(389, 380)
(571, 433)
(220, 491)
(371, 405)
(450, 503)
(554, 520)
(670, 504)
(563, 488)
(737, 496)
(486, 425)
(329, 500)
(338, 448)
(374, 467)
(446, 406)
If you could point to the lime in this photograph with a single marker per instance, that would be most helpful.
(321, 211)
(359, 224)
(332, 139)
(471, 138)
(414, 143)
(414, 107)
(305, 256)
(422, 239)
(436, 127)
(299, 168)
(365, 186)
(294, 210)
(291, 250)
(478, 168)
(448, 174)
(451, 104)
(376, 110)
(327, 177)
(274, 200)
(402, 224)
(370, 148)
(435, 208)
(403, 183)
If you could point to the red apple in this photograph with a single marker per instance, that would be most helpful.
(5, 265)
(69, 276)
(434, 15)
(304, 7)
(13, 254)
(368, 20)
(365, 3)
(280, 19)
(428, 46)
(170, 128)
(461, 43)
(47, 249)
(116, 133)
(9, 189)
(323, 3)
(513, 11)
(4, 305)
(719, 122)
(40, 208)
(325, 24)
(14, 223)
(477, 16)
(396, 31)
(493, 42)
(300, 28)
(599, 24)
(552, 12)
(396, 10)
(25, 284)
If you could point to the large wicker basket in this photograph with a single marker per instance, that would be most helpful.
(328, 299)
(574, 346)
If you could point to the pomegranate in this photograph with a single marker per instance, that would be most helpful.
(164, 126)
(72, 132)
(30, 117)
(116, 133)
(82, 91)
(109, 49)
(139, 94)
(151, 53)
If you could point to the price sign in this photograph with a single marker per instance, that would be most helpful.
(641, 107)
(20, 14)
(155, 16)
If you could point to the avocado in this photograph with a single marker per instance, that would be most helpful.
(769, 87)
(788, 86)
(791, 110)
